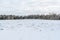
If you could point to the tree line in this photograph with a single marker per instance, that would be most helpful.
(49, 17)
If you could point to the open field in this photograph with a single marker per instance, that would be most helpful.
(30, 29)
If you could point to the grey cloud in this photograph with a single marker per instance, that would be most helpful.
(23, 4)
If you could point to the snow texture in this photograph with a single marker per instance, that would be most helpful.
(29, 29)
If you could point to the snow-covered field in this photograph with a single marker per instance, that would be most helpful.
(29, 29)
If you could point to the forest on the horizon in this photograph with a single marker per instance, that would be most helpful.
(48, 17)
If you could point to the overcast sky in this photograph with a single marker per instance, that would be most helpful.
(31, 4)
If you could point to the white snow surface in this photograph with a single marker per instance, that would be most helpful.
(30, 29)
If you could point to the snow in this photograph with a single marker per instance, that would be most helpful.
(29, 29)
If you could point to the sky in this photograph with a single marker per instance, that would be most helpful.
(46, 5)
